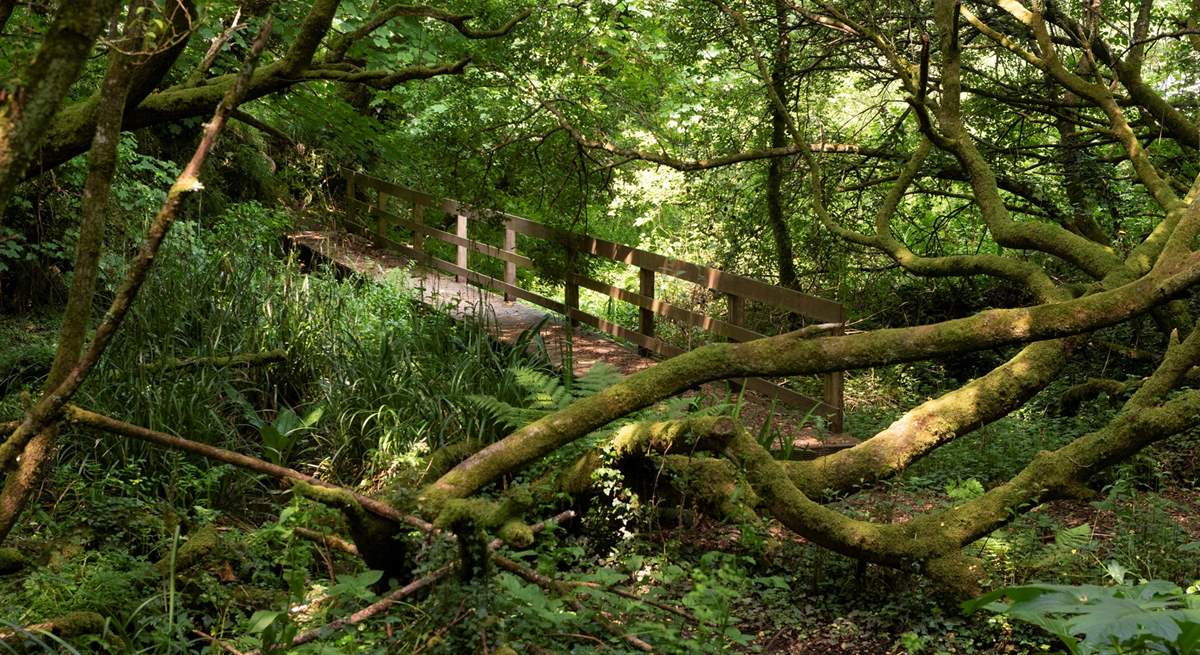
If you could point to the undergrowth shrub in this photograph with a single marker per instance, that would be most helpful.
(388, 374)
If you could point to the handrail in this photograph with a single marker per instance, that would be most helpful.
(736, 288)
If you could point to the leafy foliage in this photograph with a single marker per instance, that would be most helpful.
(1149, 617)
(545, 393)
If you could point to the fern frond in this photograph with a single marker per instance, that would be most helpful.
(598, 378)
(1075, 538)
(507, 415)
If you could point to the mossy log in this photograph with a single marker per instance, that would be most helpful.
(11, 561)
(197, 548)
(66, 626)
(791, 354)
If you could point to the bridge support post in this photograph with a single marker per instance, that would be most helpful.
(418, 218)
(460, 231)
(737, 316)
(834, 395)
(645, 315)
(510, 268)
(380, 215)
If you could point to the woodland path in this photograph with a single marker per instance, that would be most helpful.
(506, 320)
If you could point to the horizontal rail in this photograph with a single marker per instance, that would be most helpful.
(813, 307)
(735, 287)
(667, 310)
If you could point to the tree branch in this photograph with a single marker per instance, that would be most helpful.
(48, 408)
(788, 355)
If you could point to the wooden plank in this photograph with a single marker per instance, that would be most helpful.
(646, 316)
(667, 310)
(460, 231)
(510, 266)
(394, 189)
(642, 341)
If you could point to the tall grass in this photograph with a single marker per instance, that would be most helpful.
(390, 374)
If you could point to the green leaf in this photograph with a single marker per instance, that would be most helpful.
(261, 620)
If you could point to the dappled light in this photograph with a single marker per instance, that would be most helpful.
(496, 327)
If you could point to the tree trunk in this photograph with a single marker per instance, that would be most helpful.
(29, 110)
(775, 167)
(102, 165)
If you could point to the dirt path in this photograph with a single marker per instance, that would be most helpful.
(507, 320)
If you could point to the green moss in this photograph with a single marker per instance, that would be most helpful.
(476, 510)
(447, 457)
(958, 573)
(74, 624)
(11, 561)
(474, 561)
(516, 502)
(487, 514)
(336, 498)
(577, 478)
(516, 533)
(198, 546)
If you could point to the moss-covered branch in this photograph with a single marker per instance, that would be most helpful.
(221, 361)
(788, 355)
(81, 416)
(29, 109)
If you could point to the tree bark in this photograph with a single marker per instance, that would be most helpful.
(6, 10)
(32, 441)
(775, 166)
(102, 165)
(29, 110)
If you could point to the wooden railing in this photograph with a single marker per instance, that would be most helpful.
(369, 209)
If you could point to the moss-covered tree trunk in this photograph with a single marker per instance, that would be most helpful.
(102, 165)
(29, 109)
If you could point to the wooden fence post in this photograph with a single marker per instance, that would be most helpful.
(737, 316)
(737, 310)
(461, 232)
(645, 315)
(510, 268)
(380, 221)
(418, 217)
(571, 290)
(835, 387)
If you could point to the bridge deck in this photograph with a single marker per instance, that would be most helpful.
(506, 320)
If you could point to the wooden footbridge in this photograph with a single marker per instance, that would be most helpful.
(467, 262)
